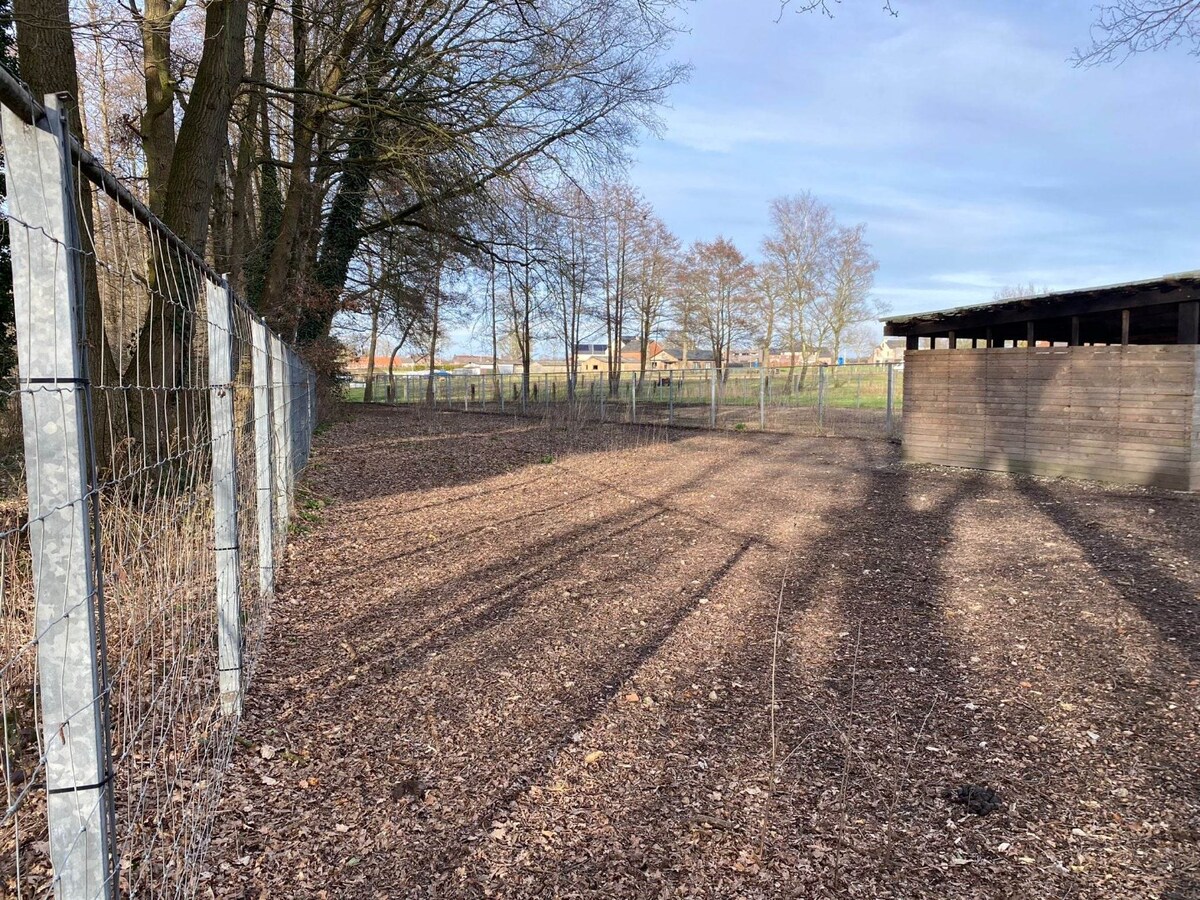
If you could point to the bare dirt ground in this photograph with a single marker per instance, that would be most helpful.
(515, 661)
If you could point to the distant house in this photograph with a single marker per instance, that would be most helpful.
(589, 364)
(744, 356)
(466, 359)
(502, 367)
(890, 349)
(673, 358)
(819, 356)
(658, 358)
(665, 359)
(593, 362)
(635, 347)
(360, 365)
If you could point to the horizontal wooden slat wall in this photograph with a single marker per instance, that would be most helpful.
(1128, 414)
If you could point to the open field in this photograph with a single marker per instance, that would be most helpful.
(517, 661)
(847, 387)
(832, 401)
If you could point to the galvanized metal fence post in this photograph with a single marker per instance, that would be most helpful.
(55, 411)
(296, 419)
(762, 398)
(219, 307)
(310, 424)
(633, 386)
(712, 412)
(261, 367)
(820, 396)
(279, 442)
(671, 401)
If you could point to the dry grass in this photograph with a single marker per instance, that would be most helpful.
(170, 742)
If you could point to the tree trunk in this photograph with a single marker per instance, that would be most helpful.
(367, 389)
(204, 131)
(645, 342)
(278, 269)
(435, 323)
(495, 346)
(340, 237)
(243, 180)
(46, 56)
(158, 118)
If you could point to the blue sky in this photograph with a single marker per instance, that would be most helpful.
(960, 132)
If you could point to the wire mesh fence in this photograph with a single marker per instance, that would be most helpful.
(148, 449)
(849, 400)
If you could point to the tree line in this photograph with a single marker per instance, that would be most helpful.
(297, 143)
(578, 268)
(331, 153)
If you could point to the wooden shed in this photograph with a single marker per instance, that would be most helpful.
(1099, 383)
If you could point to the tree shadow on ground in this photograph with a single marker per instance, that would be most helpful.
(485, 615)
(1164, 600)
(493, 592)
(872, 743)
(901, 665)
(355, 464)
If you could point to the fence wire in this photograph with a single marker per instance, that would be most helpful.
(148, 449)
(850, 400)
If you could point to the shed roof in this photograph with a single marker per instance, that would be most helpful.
(1100, 301)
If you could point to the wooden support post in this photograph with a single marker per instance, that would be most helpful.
(912, 342)
(987, 338)
(951, 341)
(1189, 322)
(1029, 336)
(1124, 328)
(1074, 331)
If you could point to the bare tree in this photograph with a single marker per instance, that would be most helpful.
(657, 266)
(719, 278)
(571, 275)
(1018, 291)
(798, 248)
(524, 273)
(1126, 27)
(847, 301)
(621, 213)
(390, 288)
